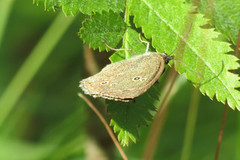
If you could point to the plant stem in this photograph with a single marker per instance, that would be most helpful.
(32, 64)
(221, 132)
(110, 132)
(226, 107)
(238, 131)
(159, 118)
(190, 126)
(126, 14)
(5, 8)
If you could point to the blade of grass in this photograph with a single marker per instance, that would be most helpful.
(190, 125)
(32, 64)
(5, 8)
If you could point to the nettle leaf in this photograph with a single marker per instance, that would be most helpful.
(203, 56)
(127, 117)
(71, 7)
(224, 15)
(130, 41)
(108, 27)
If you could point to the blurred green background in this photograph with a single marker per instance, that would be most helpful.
(50, 121)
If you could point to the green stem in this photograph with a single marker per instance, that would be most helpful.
(190, 126)
(32, 64)
(126, 16)
(5, 8)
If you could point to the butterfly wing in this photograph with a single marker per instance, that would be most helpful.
(127, 79)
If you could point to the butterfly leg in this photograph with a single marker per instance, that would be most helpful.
(144, 42)
(122, 49)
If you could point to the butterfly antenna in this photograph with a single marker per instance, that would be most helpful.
(114, 49)
(144, 42)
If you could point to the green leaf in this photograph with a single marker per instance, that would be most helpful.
(108, 27)
(71, 7)
(224, 15)
(166, 22)
(127, 117)
(130, 41)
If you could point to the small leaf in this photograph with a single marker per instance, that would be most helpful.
(108, 27)
(127, 117)
(130, 41)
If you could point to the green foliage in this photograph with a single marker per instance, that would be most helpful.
(71, 7)
(108, 27)
(169, 25)
(199, 53)
(224, 15)
(130, 41)
(127, 117)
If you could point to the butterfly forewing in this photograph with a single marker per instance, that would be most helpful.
(127, 79)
